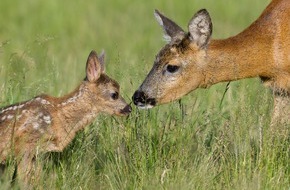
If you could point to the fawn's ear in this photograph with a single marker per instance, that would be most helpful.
(200, 28)
(102, 61)
(93, 67)
(171, 30)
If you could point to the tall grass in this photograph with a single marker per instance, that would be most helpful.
(204, 141)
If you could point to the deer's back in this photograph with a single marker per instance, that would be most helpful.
(24, 125)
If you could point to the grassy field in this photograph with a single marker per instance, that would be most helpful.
(200, 142)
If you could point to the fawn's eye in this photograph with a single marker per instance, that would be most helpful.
(115, 95)
(172, 68)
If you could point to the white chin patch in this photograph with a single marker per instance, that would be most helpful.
(143, 106)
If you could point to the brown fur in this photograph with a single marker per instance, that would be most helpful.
(262, 50)
(47, 123)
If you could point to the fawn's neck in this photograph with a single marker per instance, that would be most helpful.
(76, 109)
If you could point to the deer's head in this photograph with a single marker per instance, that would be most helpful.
(103, 90)
(178, 66)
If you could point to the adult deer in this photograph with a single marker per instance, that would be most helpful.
(192, 60)
(45, 123)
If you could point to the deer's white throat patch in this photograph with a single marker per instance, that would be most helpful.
(144, 106)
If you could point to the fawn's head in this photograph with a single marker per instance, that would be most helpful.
(102, 88)
(177, 69)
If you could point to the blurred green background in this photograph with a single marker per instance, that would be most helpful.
(200, 142)
(44, 38)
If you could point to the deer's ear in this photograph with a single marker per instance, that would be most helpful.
(200, 28)
(102, 61)
(93, 67)
(171, 30)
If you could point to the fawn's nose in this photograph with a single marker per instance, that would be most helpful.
(126, 110)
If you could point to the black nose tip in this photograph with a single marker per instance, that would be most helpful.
(139, 97)
(126, 110)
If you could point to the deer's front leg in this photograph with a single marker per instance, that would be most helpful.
(27, 170)
(281, 111)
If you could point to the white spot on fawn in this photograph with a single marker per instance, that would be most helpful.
(45, 102)
(42, 101)
(70, 100)
(35, 125)
(3, 118)
(47, 119)
(74, 98)
(7, 109)
(10, 116)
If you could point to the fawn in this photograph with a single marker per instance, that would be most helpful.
(46, 123)
(192, 60)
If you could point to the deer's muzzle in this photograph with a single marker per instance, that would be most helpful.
(141, 100)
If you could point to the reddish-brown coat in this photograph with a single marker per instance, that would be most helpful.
(262, 50)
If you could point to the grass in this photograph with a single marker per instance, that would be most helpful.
(196, 143)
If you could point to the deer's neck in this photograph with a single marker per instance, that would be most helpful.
(76, 109)
(238, 58)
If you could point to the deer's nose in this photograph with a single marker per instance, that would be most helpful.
(139, 97)
(126, 110)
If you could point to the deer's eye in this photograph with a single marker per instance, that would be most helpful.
(172, 68)
(115, 95)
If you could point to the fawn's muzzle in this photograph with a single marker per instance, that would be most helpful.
(140, 99)
(126, 110)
